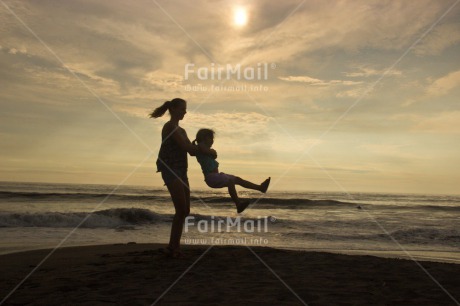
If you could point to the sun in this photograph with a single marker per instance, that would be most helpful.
(240, 16)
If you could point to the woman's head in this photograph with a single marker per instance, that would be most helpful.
(205, 136)
(177, 109)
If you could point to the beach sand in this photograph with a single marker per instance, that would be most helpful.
(137, 274)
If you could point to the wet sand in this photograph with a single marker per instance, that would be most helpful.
(138, 274)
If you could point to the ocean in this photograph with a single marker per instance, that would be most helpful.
(42, 215)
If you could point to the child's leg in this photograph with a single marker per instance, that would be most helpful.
(240, 205)
(232, 192)
(246, 184)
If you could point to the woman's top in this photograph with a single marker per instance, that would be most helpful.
(208, 164)
(171, 155)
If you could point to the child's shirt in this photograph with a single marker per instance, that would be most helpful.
(208, 164)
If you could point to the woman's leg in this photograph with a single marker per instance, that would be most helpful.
(180, 196)
(187, 196)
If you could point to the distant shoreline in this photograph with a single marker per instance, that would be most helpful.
(223, 191)
(418, 255)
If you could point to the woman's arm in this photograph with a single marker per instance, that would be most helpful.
(180, 137)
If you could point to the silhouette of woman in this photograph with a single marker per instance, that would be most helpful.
(172, 163)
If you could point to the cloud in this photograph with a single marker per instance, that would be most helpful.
(317, 82)
(444, 85)
(94, 37)
(14, 50)
(133, 55)
(249, 133)
(235, 125)
(152, 85)
(242, 133)
(132, 110)
(386, 149)
(355, 92)
(284, 143)
(164, 80)
(351, 93)
(393, 152)
(441, 38)
(367, 72)
(340, 25)
(437, 123)
(440, 123)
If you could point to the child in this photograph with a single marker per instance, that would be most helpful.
(214, 179)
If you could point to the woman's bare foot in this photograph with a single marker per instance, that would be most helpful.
(264, 185)
(172, 253)
(166, 251)
(242, 205)
(178, 255)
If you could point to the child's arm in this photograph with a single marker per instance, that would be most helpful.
(208, 151)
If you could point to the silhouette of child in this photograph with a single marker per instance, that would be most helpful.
(215, 179)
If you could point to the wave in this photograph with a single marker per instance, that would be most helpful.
(109, 218)
(294, 202)
(8, 195)
(300, 203)
(66, 196)
(265, 202)
(418, 235)
(430, 207)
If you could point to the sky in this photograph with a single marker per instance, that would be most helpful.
(346, 96)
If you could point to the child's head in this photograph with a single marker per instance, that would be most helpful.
(205, 136)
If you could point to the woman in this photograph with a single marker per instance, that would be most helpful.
(172, 163)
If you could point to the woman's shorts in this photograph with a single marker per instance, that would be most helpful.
(218, 180)
(169, 175)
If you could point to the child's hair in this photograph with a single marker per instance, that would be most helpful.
(159, 111)
(202, 134)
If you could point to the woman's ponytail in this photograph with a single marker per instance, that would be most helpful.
(160, 111)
